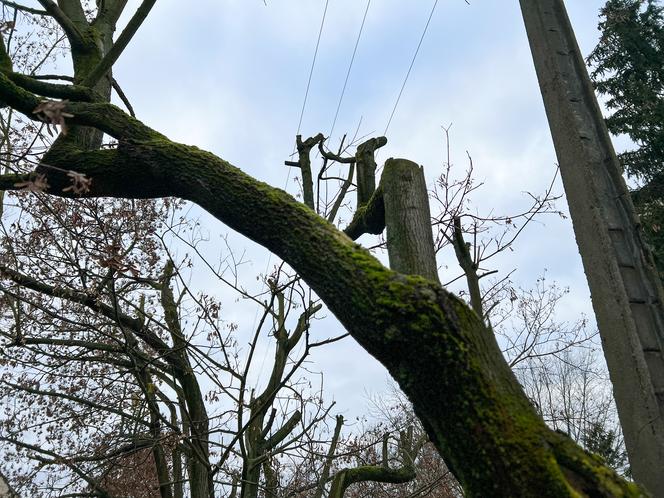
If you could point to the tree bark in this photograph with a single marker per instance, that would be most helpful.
(625, 288)
(366, 168)
(201, 484)
(408, 219)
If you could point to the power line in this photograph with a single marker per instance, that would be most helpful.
(299, 125)
(313, 64)
(411, 66)
(350, 66)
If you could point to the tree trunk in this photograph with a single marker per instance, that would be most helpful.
(626, 292)
(408, 219)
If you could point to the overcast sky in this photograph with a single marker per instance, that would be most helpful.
(230, 76)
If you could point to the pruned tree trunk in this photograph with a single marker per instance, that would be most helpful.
(408, 219)
(625, 289)
(366, 168)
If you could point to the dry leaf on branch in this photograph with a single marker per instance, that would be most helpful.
(80, 184)
(36, 183)
(53, 112)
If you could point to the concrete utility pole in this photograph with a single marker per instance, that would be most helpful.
(625, 289)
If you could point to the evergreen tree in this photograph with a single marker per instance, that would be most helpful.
(606, 443)
(628, 69)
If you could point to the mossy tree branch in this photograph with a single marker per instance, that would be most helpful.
(469, 267)
(120, 44)
(54, 90)
(369, 218)
(408, 448)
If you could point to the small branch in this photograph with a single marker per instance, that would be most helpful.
(75, 399)
(303, 149)
(462, 251)
(334, 157)
(123, 320)
(52, 77)
(325, 474)
(23, 8)
(56, 459)
(283, 432)
(342, 193)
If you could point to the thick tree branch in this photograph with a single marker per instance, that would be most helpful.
(69, 27)
(74, 10)
(54, 90)
(105, 117)
(283, 432)
(332, 156)
(408, 219)
(110, 12)
(369, 218)
(304, 163)
(366, 168)
(374, 473)
(120, 44)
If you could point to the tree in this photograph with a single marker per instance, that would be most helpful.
(436, 348)
(627, 68)
(97, 398)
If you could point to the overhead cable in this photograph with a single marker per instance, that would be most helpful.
(424, 32)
